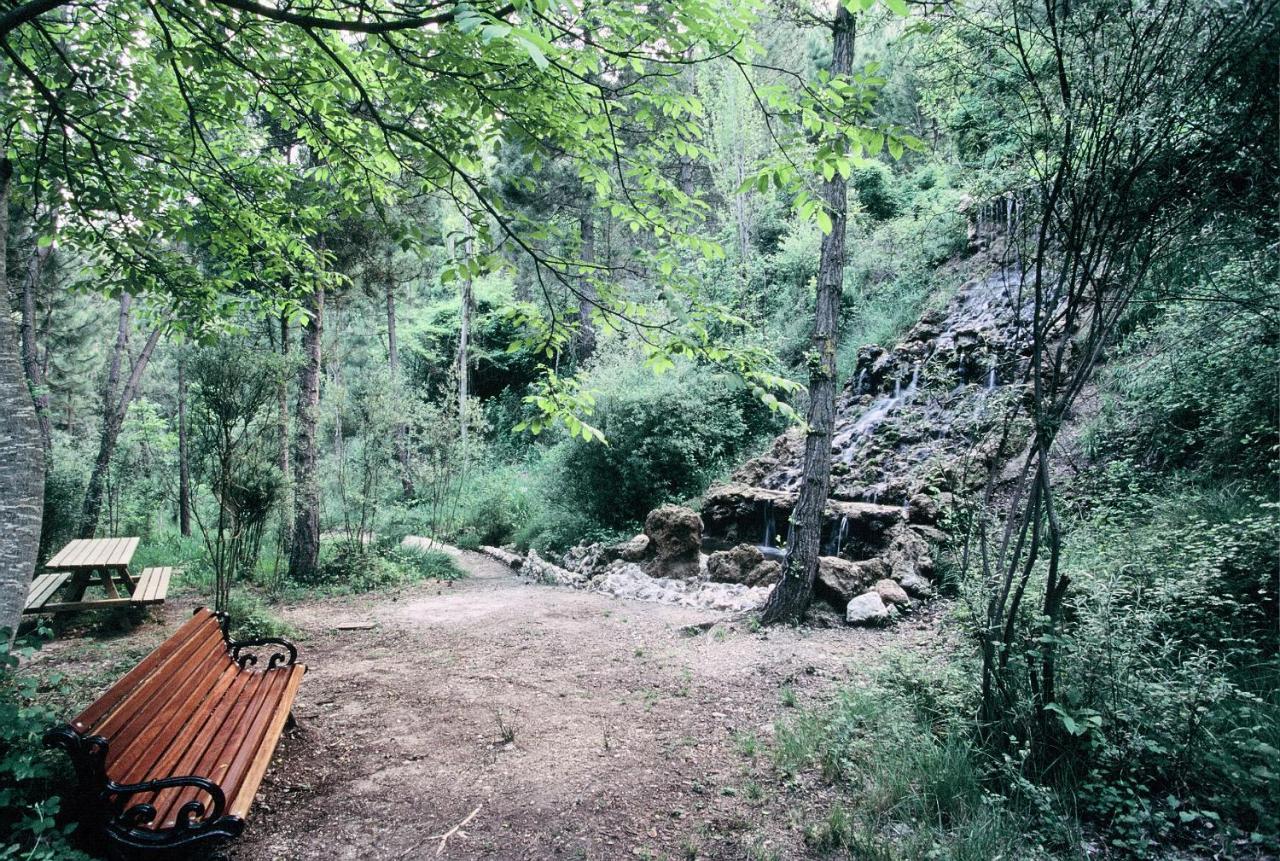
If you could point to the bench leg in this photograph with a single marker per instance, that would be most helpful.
(290, 722)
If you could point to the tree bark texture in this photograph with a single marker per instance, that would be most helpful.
(304, 552)
(585, 341)
(467, 300)
(35, 369)
(791, 597)
(21, 455)
(115, 407)
(184, 454)
(282, 443)
(393, 366)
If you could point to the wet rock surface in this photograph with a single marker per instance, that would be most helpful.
(915, 426)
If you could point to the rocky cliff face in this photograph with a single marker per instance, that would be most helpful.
(914, 424)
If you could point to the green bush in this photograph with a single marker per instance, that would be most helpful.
(497, 505)
(347, 568)
(668, 437)
(1170, 680)
(877, 191)
(252, 618)
(1195, 387)
(31, 778)
(426, 565)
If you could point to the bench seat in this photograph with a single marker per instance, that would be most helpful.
(42, 589)
(173, 754)
(153, 586)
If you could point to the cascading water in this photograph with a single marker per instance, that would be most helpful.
(877, 413)
(770, 528)
(838, 535)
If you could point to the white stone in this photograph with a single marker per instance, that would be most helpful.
(866, 609)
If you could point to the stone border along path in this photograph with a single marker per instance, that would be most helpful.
(577, 724)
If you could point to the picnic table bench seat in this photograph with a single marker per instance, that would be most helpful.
(170, 757)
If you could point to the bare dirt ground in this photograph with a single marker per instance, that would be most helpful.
(557, 723)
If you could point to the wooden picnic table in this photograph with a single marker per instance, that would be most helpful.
(104, 560)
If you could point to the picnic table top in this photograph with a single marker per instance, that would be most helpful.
(95, 553)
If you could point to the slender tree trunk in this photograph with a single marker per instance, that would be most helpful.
(184, 454)
(304, 554)
(393, 366)
(21, 455)
(464, 335)
(791, 596)
(30, 349)
(282, 442)
(585, 341)
(115, 407)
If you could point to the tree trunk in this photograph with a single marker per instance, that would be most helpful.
(184, 454)
(464, 335)
(393, 366)
(30, 350)
(114, 411)
(282, 442)
(585, 341)
(791, 596)
(304, 552)
(21, 456)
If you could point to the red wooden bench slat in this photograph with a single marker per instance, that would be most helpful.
(120, 691)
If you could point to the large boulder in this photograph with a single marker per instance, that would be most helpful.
(675, 536)
(845, 579)
(866, 609)
(745, 564)
(908, 555)
(891, 593)
(631, 550)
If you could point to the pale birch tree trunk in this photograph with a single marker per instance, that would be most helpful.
(21, 454)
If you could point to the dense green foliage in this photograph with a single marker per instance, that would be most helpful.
(30, 776)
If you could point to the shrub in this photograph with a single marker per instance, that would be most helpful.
(251, 618)
(668, 437)
(877, 191)
(30, 776)
(910, 781)
(351, 568)
(496, 505)
(1171, 681)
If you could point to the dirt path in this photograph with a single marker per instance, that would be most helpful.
(580, 725)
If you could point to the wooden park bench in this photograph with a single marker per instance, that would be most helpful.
(170, 758)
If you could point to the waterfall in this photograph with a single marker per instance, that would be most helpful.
(991, 377)
(878, 411)
(837, 537)
(859, 388)
(770, 528)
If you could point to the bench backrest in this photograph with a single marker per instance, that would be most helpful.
(173, 677)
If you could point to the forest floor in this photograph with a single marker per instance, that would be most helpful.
(556, 723)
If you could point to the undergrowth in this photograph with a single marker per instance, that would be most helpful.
(31, 782)
(911, 781)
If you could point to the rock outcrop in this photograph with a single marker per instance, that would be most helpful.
(745, 564)
(675, 542)
(913, 427)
